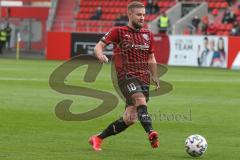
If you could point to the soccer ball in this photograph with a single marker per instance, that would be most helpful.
(196, 145)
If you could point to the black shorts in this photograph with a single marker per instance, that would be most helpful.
(131, 85)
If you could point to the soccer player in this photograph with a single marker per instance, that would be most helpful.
(134, 63)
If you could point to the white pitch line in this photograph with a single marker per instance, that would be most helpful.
(21, 79)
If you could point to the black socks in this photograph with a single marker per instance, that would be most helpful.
(119, 125)
(144, 118)
(114, 128)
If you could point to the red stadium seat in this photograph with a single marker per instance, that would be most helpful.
(87, 3)
(211, 5)
(215, 12)
(147, 18)
(229, 26)
(123, 10)
(110, 3)
(87, 9)
(84, 16)
(226, 33)
(113, 16)
(81, 23)
(83, 3)
(160, 4)
(94, 29)
(116, 10)
(221, 27)
(168, 4)
(122, 4)
(79, 29)
(108, 17)
(82, 9)
(224, 5)
(104, 3)
(115, 4)
(80, 16)
(111, 10)
(108, 24)
(105, 16)
(91, 23)
(218, 5)
(220, 33)
(94, 3)
(105, 29)
(224, 27)
(186, 32)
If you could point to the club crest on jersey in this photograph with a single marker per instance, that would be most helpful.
(127, 36)
(145, 36)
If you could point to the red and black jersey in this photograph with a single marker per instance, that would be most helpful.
(131, 50)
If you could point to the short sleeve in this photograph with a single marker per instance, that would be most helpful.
(152, 48)
(111, 36)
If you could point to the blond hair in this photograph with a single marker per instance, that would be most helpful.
(135, 4)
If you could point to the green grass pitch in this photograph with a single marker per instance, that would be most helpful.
(203, 101)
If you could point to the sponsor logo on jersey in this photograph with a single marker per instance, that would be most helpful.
(145, 36)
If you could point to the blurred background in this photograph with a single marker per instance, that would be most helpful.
(61, 29)
(38, 36)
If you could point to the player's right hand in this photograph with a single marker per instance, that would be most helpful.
(103, 58)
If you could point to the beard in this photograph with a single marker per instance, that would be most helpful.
(136, 25)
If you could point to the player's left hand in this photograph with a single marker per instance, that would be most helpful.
(156, 82)
(102, 58)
